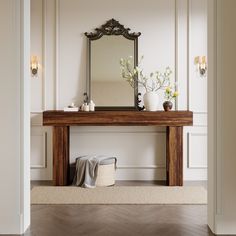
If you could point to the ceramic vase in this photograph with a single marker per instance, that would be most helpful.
(151, 101)
(167, 105)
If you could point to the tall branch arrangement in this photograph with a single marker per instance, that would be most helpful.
(153, 82)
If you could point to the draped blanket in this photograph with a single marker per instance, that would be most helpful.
(87, 168)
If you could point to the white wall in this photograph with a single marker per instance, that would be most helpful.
(15, 116)
(222, 131)
(173, 33)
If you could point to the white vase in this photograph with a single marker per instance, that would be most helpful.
(151, 101)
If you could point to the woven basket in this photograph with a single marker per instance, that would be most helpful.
(106, 175)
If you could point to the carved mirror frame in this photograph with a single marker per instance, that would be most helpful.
(112, 27)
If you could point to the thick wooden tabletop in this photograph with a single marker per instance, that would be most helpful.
(118, 118)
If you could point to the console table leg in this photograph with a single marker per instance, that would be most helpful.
(174, 156)
(61, 155)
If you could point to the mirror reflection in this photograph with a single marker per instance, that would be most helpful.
(108, 88)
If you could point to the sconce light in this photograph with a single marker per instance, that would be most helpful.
(200, 62)
(34, 66)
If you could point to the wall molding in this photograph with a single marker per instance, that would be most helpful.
(117, 131)
(44, 49)
(141, 167)
(44, 58)
(176, 52)
(57, 53)
(218, 105)
(36, 112)
(189, 138)
(44, 136)
(190, 62)
(188, 54)
(200, 112)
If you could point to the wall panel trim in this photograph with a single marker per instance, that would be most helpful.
(57, 53)
(176, 52)
(116, 132)
(188, 55)
(190, 61)
(43, 61)
(218, 106)
(45, 156)
(141, 167)
(189, 163)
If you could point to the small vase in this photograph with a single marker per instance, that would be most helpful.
(167, 105)
(151, 101)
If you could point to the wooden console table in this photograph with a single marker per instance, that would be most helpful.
(173, 120)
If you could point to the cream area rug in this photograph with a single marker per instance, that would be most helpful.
(119, 195)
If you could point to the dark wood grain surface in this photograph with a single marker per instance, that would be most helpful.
(174, 156)
(118, 118)
(61, 159)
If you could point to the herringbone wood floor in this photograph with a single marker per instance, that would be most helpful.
(112, 220)
(115, 220)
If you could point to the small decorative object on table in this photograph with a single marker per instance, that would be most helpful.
(71, 107)
(151, 84)
(169, 96)
(91, 106)
(88, 107)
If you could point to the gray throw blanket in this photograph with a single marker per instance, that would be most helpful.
(87, 167)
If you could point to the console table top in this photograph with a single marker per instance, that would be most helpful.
(118, 118)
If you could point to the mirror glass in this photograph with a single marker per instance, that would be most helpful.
(107, 87)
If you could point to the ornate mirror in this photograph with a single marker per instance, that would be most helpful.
(105, 85)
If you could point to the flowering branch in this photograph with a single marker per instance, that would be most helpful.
(153, 82)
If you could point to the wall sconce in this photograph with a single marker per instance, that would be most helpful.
(34, 66)
(200, 62)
